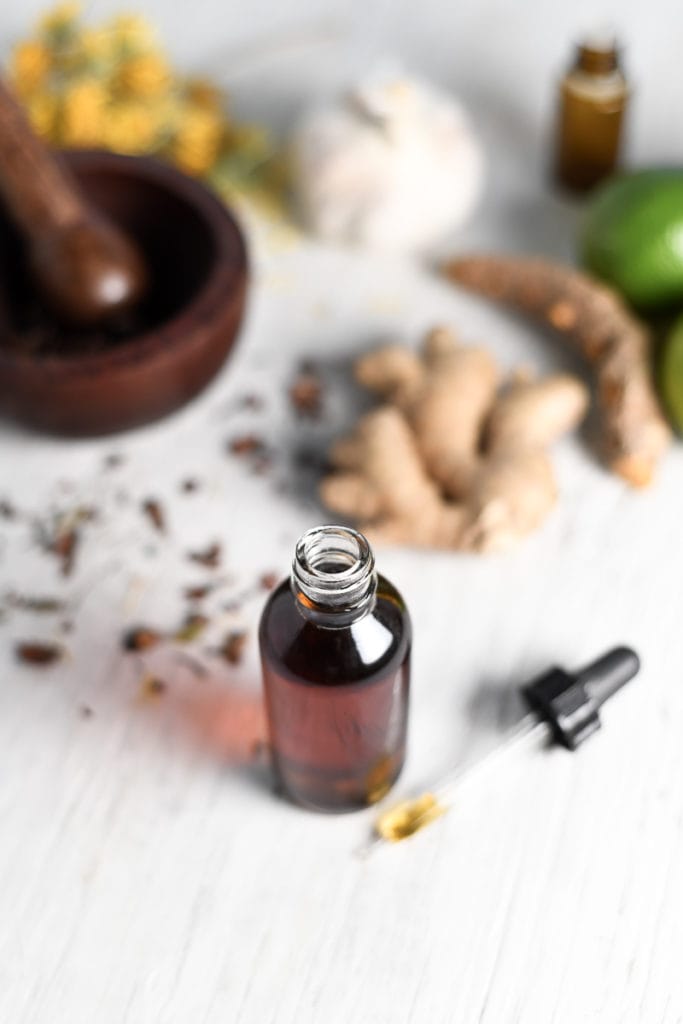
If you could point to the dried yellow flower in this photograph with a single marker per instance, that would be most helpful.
(131, 127)
(29, 67)
(197, 140)
(132, 31)
(60, 17)
(113, 86)
(96, 44)
(83, 113)
(201, 93)
(146, 75)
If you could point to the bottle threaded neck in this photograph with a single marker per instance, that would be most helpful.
(334, 572)
(597, 57)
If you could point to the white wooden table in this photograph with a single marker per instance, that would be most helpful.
(147, 872)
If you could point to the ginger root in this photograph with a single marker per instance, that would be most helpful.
(446, 431)
(593, 316)
(449, 463)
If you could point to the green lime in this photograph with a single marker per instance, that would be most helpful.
(671, 374)
(633, 237)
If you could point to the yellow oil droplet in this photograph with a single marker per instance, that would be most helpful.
(408, 817)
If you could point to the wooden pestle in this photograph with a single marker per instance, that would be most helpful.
(85, 267)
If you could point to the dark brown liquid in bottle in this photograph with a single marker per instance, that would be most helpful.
(337, 699)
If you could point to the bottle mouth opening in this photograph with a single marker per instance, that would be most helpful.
(334, 565)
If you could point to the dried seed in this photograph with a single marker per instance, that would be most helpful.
(269, 580)
(114, 460)
(7, 509)
(232, 648)
(154, 512)
(210, 558)
(141, 638)
(38, 653)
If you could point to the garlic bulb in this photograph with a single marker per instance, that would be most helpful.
(393, 164)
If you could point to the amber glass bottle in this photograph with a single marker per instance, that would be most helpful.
(335, 648)
(593, 100)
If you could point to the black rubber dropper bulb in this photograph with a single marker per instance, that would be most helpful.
(570, 702)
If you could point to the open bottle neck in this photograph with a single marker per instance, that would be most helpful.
(333, 577)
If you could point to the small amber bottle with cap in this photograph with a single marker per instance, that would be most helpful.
(593, 99)
(335, 643)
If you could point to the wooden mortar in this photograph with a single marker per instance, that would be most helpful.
(85, 384)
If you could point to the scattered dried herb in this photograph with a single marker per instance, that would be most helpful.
(269, 580)
(114, 460)
(85, 711)
(141, 638)
(152, 687)
(210, 558)
(252, 402)
(305, 394)
(154, 512)
(63, 537)
(38, 653)
(190, 485)
(7, 509)
(246, 444)
(192, 628)
(34, 604)
(64, 546)
(232, 648)
(197, 593)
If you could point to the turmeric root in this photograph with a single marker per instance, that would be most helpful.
(399, 480)
(593, 316)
